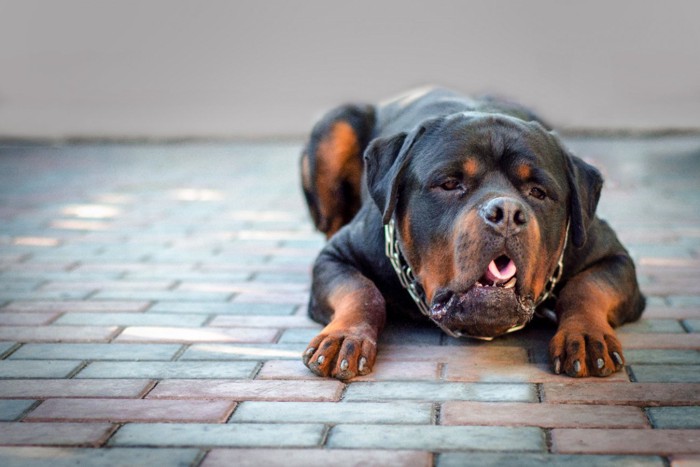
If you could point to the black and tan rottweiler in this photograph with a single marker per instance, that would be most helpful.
(469, 211)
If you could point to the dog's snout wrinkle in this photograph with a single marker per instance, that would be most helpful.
(507, 216)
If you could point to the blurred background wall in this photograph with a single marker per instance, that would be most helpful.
(176, 69)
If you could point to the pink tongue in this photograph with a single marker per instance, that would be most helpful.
(503, 274)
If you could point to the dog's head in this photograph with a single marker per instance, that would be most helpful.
(481, 204)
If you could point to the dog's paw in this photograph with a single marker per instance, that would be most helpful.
(581, 351)
(342, 354)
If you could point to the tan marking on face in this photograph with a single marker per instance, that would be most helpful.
(523, 171)
(406, 237)
(471, 167)
(537, 259)
(434, 266)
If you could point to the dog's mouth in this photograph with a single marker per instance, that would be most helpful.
(492, 306)
(500, 273)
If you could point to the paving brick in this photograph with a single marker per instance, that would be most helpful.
(185, 335)
(666, 373)
(259, 309)
(484, 354)
(334, 412)
(109, 285)
(542, 415)
(113, 457)
(660, 356)
(675, 417)
(505, 372)
(169, 370)
(625, 441)
(382, 371)
(310, 457)
(52, 388)
(676, 285)
(5, 347)
(129, 352)
(58, 333)
(273, 278)
(259, 390)
(685, 461)
(39, 306)
(274, 297)
(429, 391)
(684, 301)
(398, 370)
(166, 295)
(26, 319)
(19, 284)
(666, 312)
(19, 295)
(411, 333)
(693, 325)
(151, 269)
(253, 321)
(660, 341)
(130, 410)
(37, 368)
(243, 287)
(437, 438)
(132, 319)
(232, 352)
(46, 267)
(298, 335)
(652, 326)
(640, 394)
(459, 459)
(275, 435)
(11, 410)
(52, 434)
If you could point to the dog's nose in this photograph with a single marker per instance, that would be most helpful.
(507, 216)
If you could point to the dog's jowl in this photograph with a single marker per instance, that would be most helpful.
(470, 212)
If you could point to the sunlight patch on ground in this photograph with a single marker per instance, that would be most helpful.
(36, 241)
(91, 211)
(79, 225)
(196, 194)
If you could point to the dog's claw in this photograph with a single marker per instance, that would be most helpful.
(361, 366)
(344, 365)
(557, 366)
(618, 359)
(320, 360)
(307, 355)
(600, 362)
(577, 367)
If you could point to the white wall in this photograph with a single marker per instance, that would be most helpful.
(163, 68)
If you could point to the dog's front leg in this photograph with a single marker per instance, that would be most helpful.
(589, 306)
(354, 311)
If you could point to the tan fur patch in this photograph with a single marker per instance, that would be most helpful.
(471, 167)
(523, 171)
(337, 160)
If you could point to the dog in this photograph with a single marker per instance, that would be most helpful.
(470, 212)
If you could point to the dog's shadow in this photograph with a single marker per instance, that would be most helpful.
(534, 338)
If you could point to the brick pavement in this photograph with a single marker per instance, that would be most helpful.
(152, 312)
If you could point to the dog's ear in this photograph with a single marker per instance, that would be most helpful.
(386, 160)
(585, 184)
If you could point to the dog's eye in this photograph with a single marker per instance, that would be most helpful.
(450, 185)
(538, 193)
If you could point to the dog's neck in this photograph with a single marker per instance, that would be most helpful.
(414, 288)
